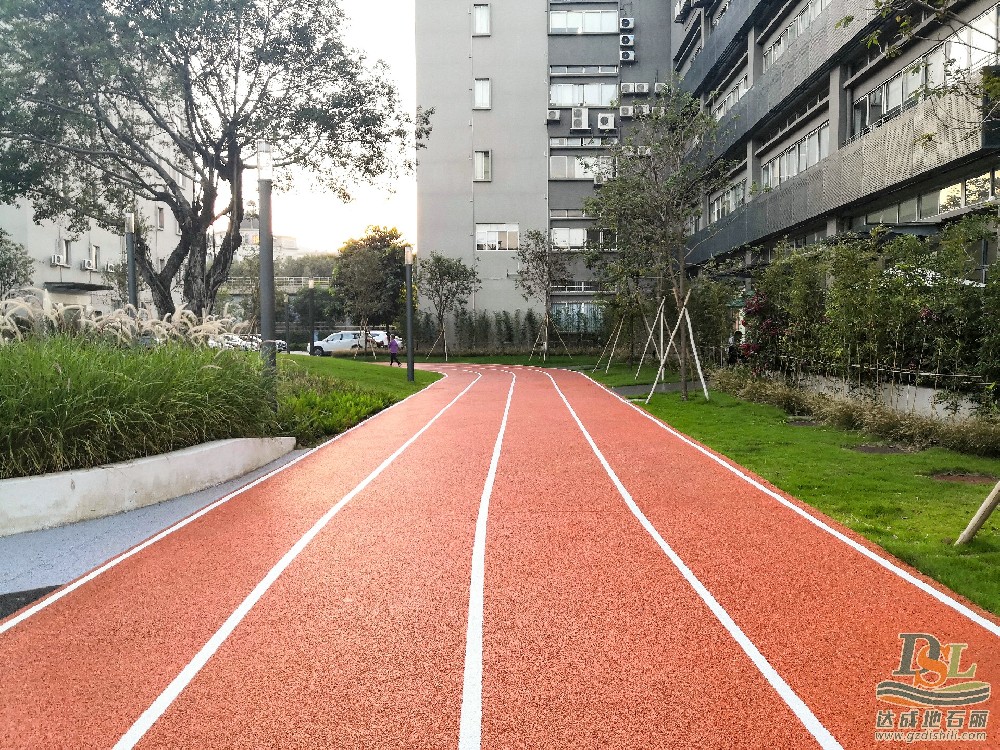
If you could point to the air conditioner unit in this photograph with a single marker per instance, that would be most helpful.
(581, 119)
(552, 116)
(626, 55)
(87, 265)
(628, 88)
(57, 260)
(627, 40)
(642, 88)
(644, 150)
(640, 110)
(600, 179)
(658, 111)
(110, 267)
(626, 24)
(626, 112)
(605, 121)
(659, 88)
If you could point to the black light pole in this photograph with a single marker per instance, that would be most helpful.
(312, 317)
(264, 175)
(408, 258)
(132, 286)
(288, 325)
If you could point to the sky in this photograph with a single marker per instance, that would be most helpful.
(322, 222)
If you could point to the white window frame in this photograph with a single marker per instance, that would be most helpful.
(497, 237)
(479, 12)
(598, 21)
(482, 166)
(479, 85)
(161, 218)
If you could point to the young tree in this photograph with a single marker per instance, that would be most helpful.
(15, 265)
(655, 181)
(447, 284)
(542, 267)
(107, 104)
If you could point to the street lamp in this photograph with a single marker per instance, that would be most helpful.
(265, 168)
(312, 318)
(409, 255)
(133, 291)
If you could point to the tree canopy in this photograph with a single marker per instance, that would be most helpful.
(369, 276)
(15, 265)
(110, 105)
(447, 284)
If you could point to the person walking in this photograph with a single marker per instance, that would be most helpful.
(394, 351)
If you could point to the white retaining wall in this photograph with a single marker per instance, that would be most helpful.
(41, 502)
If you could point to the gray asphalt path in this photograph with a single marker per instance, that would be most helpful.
(52, 557)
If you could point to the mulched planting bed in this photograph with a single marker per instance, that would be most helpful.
(967, 478)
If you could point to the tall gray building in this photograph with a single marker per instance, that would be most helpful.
(523, 93)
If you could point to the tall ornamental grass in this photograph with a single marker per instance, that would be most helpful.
(71, 402)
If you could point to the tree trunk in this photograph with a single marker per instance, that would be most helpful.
(682, 349)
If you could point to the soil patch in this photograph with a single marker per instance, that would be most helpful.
(966, 478)
(880, 449)
(802, 423)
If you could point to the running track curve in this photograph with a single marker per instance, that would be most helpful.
(512, 558)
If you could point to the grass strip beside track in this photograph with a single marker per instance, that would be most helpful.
(890, 499)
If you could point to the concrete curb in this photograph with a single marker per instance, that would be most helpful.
(42, 502)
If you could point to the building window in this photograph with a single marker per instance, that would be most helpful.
(582, 142)
(482, 166)
(67, 248)
(496, 237)
(581, 238)
(482, 94)
(729, 201)
(161, 218)
(583, 22)
(796, 27)
(798, 157)
(95, 256)
(725, 103)
(583, 70)
(577, 167)
(582, 94)
(481, 20)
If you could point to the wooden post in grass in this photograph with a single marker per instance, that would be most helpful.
(988, 506)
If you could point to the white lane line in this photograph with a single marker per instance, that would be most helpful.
(992, 627)
(176, 687)
(71, 587)
(792, 700)
(471, 723)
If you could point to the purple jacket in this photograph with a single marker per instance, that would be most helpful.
(393, 346)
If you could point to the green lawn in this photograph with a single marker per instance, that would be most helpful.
(890, 499)
(363, 373)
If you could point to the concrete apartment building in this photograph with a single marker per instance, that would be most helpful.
(523, 93)
(824, 130)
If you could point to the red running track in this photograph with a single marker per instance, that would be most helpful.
(633, 589)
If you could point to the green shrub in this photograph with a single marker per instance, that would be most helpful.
(68, 403)
(978, 436)
(312, 407)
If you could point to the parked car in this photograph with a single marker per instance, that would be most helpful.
(381, 338)
(341, 341)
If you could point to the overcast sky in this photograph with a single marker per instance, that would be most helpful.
(383, 31)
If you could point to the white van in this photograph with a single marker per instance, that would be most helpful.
(341, 341)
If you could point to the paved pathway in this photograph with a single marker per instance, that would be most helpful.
(511, 558)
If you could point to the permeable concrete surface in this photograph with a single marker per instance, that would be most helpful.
(52, 557)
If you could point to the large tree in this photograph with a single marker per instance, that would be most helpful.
(108, 104)
(655, 183)
(15, 265)
(369, 277)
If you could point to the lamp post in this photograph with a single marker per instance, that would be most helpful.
(409, 255)
(312, 317)
(264, 176)
(132, 287)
